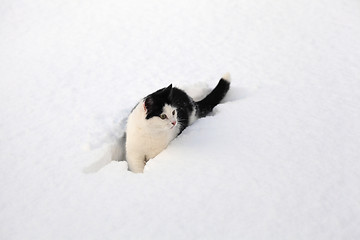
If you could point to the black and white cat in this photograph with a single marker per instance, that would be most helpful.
(161, 116)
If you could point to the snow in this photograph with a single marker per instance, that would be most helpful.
(278, 159)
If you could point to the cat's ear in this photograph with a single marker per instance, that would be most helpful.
(168, 91)
(148, 103)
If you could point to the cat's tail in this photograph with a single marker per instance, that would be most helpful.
(205, 106)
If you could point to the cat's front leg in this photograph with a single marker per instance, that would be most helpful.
(136, 162)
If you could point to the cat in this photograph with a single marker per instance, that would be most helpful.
(161, 116)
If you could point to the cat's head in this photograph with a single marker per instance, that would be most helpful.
(158, 109)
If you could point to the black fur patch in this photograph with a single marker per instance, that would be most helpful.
(155, 102)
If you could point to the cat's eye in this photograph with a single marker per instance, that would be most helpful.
(173, 112)
(163, 116)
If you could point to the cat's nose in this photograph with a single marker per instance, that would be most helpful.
(173, 123)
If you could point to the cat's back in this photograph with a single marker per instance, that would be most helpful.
(181, 99)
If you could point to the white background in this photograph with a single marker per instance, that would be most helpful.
(279, 159)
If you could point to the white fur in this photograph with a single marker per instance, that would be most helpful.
(192, 117)
(146, 138)
(227, 77)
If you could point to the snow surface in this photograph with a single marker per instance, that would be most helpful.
(279, 159)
